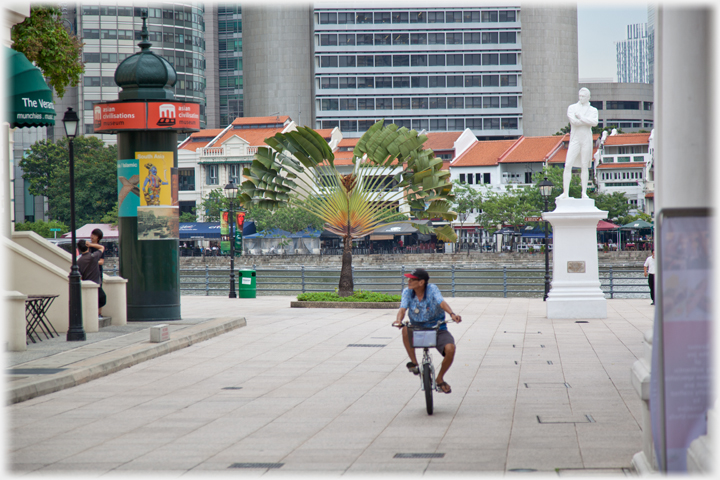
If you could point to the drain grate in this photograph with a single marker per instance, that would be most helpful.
(256, 465)
(419, 455)
(370, 345)
(34, 371)
(581, 321)
(544, 419)
(232, 388)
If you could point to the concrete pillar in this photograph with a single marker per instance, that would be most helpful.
(89, 305)
(116, 291)
(14, 316)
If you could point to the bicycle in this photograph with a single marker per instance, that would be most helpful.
(425, 338)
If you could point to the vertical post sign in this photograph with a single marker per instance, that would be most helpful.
(225, 233)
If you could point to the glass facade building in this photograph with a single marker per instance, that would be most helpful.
(632, 55)
(434, 69)
(230, 62)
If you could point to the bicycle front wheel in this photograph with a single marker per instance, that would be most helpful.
(427, 386)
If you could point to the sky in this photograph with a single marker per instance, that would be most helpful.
(599, 27)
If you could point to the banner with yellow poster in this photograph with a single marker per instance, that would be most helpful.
(155, 178)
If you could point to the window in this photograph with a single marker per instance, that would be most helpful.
(437, 102)
(490, 59)
(491, 102)
(345, 18)
(472, 80)
(383, 103)
(401, 39)
(365, 61)
(329, 62)
(91, 81)
(456, 124)
(330, 123)
(470, 178)
(91, 34)
(454, 38)
(623, 159)
(401, 103)
(490, 37)
(489, 16)
(472, 58)
(418, 17)
(347, 82)
(473, 102)
(125, 35)
(438, 124)
(507, 16)
(473, 123)
(328, 18)
(436, 17)
(508, 59)
(597, 104)
(471, 16)
(418, 82)
(108, 82)
(401, 60)
(383, 60)
(382, 17)
(329, 82)
(383, 82)
(508, 102)
(328, 39)
(648, 106)
(455, 59)
(462, 178)
(348, 125)
(363, 17)
(418, 39)
(91, 57)
(486, 178)
(400, 17)
(211, 174)
(347, 104)
(491, 124)
(418, 60)
(234, 173)
(91, 11)
(453, 17)
(401, 82)
(346, 39)
(436, 39)
(364, 39)
(383, 39)
(455, 102)
(472, 38)
(507, 37)
(366, 104)
(436, 60)
(346, 61)
(437, 82)
(478, 179)
(454, 81)
(364, 125)
(419, 125)
(620, 105)
(366, 82)
(510, 124)
(508, 81)
(419, 103)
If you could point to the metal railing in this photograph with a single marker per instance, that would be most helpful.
(453, 281)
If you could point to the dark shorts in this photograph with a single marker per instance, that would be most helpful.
(444, 338)
(102, 298)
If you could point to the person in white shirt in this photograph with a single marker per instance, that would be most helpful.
(650, 274)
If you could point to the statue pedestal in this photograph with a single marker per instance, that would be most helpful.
(575, 289)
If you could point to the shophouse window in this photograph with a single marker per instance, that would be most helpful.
(211, 174)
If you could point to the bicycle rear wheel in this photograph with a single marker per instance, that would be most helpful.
(427, 386)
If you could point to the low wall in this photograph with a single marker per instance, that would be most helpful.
(480, 260)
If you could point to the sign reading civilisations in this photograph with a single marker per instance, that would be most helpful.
(113, 117)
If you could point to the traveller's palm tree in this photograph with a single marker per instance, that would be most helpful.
(390, 166)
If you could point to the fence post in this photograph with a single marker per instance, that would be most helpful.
(402, 279)
(611, 283)
(302, 271)
(207, 281)
(504, 282)
(453, 280)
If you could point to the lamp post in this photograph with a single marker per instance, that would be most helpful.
(75, 330)
(546, 187)
(231, 193)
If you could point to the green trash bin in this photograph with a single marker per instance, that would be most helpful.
(246, 284)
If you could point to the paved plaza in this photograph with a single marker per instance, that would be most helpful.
(300, 390)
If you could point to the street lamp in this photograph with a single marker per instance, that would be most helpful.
(546, 187)
(75, 330)
(231, 192)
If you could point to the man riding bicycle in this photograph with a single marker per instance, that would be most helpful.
(426, 307)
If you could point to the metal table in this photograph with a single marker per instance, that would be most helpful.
(36, 307)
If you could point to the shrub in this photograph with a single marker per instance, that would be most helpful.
(358, 296)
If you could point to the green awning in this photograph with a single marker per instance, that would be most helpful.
(29, 99)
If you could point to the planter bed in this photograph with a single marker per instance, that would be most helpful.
(378, 305)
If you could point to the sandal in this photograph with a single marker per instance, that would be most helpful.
(444, 384)
(413, 368)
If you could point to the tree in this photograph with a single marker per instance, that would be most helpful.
(112, 216)
(615, 203)
(187, 217)
(390, 165)
(42, 38)
(467, 199)
(46, 169)
(212, 206)
(42, 228)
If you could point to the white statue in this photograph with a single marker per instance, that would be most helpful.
(583, 117)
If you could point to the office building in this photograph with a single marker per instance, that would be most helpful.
(626, 106)
(632, 55)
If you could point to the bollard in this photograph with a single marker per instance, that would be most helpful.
(302, 272)
(207, 281)
(504, 282)
(402, 279)
(611, 283)
(159, 333)
(453, 280)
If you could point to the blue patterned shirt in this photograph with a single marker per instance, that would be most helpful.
(425, 313)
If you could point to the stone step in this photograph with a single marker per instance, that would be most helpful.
(104, 322)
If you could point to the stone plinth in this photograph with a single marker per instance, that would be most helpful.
(575, 290)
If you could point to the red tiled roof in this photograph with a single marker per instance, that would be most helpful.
(272, 120)
(531, 149)
(199, 139)
(561, 155)
(484, 153)
(441, 140)
(628, 139)
(650, 195)
(348, 142)
(254, 136)
(326, 133)
(343, 158)
(622, 165)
